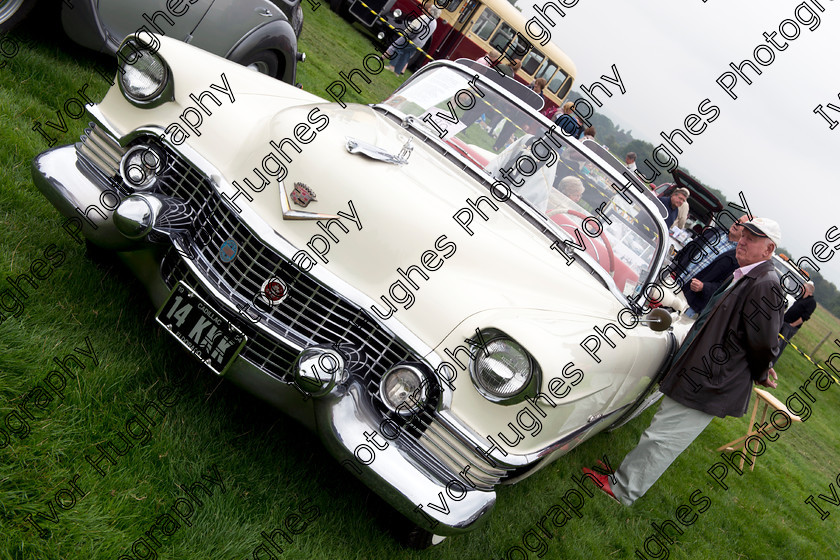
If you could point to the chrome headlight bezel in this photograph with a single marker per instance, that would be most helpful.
(139, 60)
(141, 167)
(492, 341)
(419, 396)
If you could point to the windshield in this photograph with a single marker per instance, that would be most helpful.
(597, 214)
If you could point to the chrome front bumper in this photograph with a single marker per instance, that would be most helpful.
(406, 471)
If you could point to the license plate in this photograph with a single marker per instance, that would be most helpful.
(201, 329)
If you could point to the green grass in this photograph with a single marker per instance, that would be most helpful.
(269, 465)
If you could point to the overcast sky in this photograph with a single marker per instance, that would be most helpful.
(767, 143)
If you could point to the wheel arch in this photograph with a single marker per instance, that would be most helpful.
(277, 36)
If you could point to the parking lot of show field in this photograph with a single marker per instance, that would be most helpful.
(269, 465)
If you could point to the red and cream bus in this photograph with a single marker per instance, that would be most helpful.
(471, 29)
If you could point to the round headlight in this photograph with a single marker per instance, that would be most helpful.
(397, 13)
(502, 369)
(403, 390)
(140, 167)
(145, 79)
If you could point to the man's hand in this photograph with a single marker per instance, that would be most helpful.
(696, 285)
(770, 381)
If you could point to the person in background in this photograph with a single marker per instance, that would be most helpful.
(682, 215)
(419, 31)
(630, 161)
(702, 279)
(589, 133)
(490, 59)
(572, 187)
(509, 68)
(672, 204)
(538, 85)
(798, 313)
(568, 122)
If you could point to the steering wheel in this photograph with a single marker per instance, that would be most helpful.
(610, 254)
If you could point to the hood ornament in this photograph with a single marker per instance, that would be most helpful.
(355, 146)
(405, 151)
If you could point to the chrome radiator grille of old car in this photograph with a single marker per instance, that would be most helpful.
(311, 313)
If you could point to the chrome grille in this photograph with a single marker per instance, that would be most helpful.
(311, 314)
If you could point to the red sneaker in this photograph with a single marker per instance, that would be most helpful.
(602, 480)
(604, 466)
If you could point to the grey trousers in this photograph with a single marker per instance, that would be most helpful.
(673, 428)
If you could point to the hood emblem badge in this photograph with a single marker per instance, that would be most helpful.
(303, 195)
(228, 250)
(273, 291)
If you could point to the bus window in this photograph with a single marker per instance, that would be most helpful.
(532, 61)
(564, 91)
(520, 46)
(485, 24)
(547, 70)
(557, 81)
(502, 38)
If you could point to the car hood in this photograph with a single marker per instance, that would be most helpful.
(405, 213)
(397, 235)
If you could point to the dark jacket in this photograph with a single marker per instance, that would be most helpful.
(672, 212)
(801, 309)
(570, 125)
(733, 343)
(712, 277)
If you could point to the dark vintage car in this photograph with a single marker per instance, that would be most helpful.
(259, 34)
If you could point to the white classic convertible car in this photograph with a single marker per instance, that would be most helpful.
(449, 308)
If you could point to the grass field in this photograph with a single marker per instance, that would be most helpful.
(264, 472)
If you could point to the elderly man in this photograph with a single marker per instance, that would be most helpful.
(700, 280)
(672, 204)
(798, 313)
(733, 344)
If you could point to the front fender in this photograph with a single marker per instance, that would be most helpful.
(277, 36)
(247, 29)
(82, 25)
